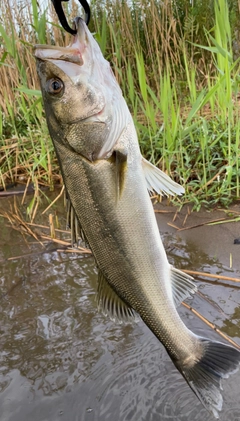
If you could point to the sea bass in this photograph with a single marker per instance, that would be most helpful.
(107, 182)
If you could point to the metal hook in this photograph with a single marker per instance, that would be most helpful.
(87, 11)
(61, 16)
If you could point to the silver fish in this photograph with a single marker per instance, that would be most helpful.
(107, 181)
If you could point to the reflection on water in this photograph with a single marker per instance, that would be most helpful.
(61, 360)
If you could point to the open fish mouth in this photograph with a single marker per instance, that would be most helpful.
(73, 53)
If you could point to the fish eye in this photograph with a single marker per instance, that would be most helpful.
(55, 86)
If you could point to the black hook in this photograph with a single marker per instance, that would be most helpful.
(59, 10)
(87, 11)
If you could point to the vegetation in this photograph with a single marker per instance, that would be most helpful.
(177, 64)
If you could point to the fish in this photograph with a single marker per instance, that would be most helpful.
(108, 184)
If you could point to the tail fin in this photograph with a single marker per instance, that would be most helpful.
(204, 378)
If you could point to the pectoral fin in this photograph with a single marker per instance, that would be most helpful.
(182, 286)
(111, 304)
(121, 170)
(157, 181)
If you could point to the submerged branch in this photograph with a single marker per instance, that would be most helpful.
(209, 275)
(213, 326)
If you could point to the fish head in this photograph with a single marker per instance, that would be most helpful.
(82, 98)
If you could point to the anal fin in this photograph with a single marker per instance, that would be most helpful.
(110, 304)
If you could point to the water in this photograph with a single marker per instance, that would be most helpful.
(61, 360)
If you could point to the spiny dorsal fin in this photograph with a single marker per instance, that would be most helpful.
(159, 182)
(182, 286)
(111, 304)
(74, 225)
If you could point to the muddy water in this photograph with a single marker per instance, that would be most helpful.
(61, 360)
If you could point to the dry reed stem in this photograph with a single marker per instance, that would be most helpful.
(150, 27)
(79, 250)
(209, 275)
(25, 191)
(46, 227)
(23, 227)
(209, 301)
(55, 200)
(154, 24)
(213, 221)
(223, 335)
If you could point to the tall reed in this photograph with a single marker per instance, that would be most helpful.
(178, 70)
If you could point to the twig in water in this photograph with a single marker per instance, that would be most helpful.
(212, 303)
(19, 282)
(210, 275)
(79, 250)
(25, 191)
(52, 203)
(219, 220)
(211, 325)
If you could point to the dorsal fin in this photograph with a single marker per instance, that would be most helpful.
(159, 182)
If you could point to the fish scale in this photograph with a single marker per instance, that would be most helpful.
(139, 268)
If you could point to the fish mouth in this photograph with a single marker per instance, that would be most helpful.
(73, 53)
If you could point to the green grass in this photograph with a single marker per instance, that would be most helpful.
(178, 74)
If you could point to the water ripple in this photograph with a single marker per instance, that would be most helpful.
(60, 360)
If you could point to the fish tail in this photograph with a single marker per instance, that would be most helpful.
(204, 377)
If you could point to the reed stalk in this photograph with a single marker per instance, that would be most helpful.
(177, 65)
